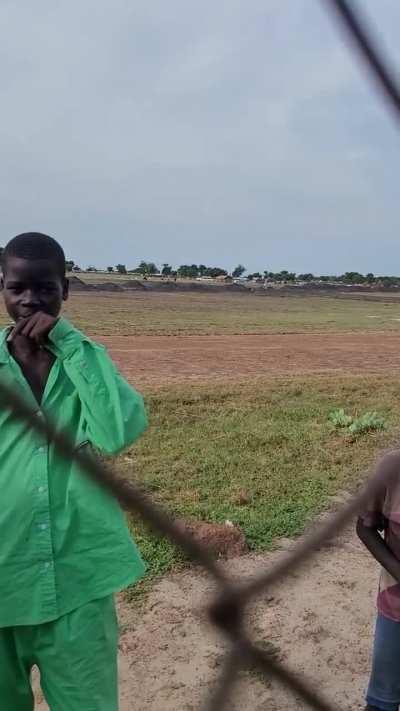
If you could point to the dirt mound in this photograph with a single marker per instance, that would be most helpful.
(194, 286)
(225, 540)
(76, 284)
(132, 285)
(107, 286)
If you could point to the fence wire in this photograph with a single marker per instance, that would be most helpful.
(228, 610)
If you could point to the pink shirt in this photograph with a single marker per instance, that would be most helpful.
(383, 513)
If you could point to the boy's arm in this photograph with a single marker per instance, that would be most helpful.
(113, 410)
(373, 519)
(374, 542)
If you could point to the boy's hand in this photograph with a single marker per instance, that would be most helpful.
(36, 328)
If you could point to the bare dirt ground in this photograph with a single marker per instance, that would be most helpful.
(161, 360)
(320, 622)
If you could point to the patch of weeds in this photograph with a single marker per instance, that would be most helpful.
(368, 422)
(339, 418)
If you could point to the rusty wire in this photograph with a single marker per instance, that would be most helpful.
(228, 610)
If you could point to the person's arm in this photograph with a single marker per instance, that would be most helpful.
(374, 542)
(372, 521)
(114, 412)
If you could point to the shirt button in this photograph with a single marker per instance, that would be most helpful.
(40, 449)
(43, 526)
(41, 489)
(47, 565)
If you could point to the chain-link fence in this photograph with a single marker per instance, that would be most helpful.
(229, 608)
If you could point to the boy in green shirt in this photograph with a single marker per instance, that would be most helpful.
(65, 548)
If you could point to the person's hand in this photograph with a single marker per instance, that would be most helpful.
(36, 328)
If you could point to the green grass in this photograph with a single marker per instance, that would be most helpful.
(272, 440)
(186, 314)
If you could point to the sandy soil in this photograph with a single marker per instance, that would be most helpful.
(320, 622)
(160, 360)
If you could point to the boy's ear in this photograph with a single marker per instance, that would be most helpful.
(1, 282)
(65, 289)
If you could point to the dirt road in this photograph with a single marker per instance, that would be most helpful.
(320, 623)
(160, 360)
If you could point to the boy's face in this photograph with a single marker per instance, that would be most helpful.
(32, 285)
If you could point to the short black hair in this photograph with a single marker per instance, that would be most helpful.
(35, 245)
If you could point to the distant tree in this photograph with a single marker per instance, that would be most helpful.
(352, 278)
(216, 272)
(69, 265)
(306, 277)
(188, 271)
(370, 278)
(329, 277)
(284, 275)
(253, 276)
(146, 268)
(238, 271)
(166, 270)
(121, 268)
(389, 281)
(76, 268)
(202, 270)
(91, 268)
(110, 269)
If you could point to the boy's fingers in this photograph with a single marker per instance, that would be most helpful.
(30, 325)
(40, 327)
(18, 328)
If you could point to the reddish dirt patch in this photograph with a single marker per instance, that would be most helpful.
(160, 360)
(222, 539)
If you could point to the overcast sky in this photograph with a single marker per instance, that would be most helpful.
(214, 131)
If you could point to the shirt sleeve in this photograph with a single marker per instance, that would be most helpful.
(113, 411)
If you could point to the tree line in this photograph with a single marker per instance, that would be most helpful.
(194, 271)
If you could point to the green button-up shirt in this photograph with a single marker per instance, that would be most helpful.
(63, 540)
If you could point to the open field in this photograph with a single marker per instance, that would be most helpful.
(239, 390)
(144, 314)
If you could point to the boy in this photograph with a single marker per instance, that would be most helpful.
(64, 545)
(383, 515)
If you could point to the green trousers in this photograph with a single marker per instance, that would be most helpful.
(76, 656)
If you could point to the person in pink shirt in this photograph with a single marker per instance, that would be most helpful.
(378, 527)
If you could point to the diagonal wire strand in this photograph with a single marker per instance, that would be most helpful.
(221, 696)
(360, 34)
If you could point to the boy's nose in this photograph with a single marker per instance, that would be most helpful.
(30, 298)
